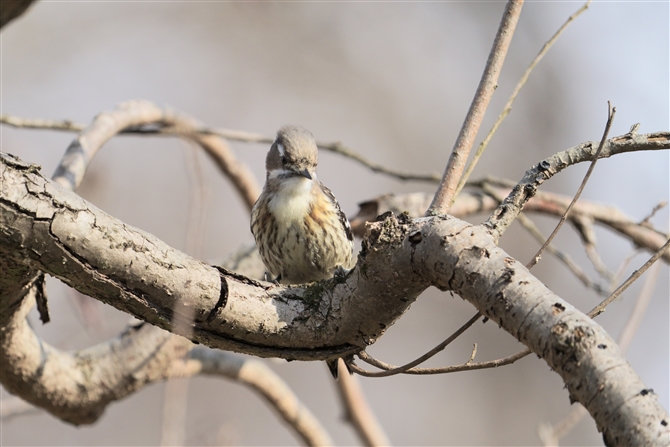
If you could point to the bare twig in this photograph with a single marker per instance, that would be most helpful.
(472, 355)
(231, 135)
(452, 174)
(584, 226)
(37, 123)
(600, 308)
(621, 270)
(429, 354)
(508, 105)
(653, 212)
(527, 187)
(529, 225)
(610, 117)
(440, 370)
(140, 117)
(639, 310)
(358, 412)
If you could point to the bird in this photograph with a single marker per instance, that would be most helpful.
(300, 230)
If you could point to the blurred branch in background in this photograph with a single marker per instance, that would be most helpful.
(262, 380)
(11, 9)
(357, 411)
(610, 117)
(158, 128)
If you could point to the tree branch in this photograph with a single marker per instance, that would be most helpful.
(56, 231)
(472, 202)
(592, 165)
(143, 114)
(507, 108)
(513, 204)
(489, 82)
(357, 410)
(262, 380)
(227, 134)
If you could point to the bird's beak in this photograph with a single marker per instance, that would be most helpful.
(305, 173)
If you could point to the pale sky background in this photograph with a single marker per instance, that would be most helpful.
(392, 81)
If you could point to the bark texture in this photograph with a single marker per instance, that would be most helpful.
(48, 228)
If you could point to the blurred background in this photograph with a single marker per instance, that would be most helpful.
(392, 81)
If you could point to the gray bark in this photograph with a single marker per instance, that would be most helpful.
(47, 228)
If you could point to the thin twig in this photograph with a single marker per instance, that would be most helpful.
(13, 406)
(600, 308)
(584, 226)
(30, 123)
(358, 412)
(429, 354)
(534, 177)
(653, 212)
(452, 174)
(440, 370)
(473, 354)
(639, 310)
(618, 275)
(508, 106)
(529, 225)
(232, 135)
(610, 117)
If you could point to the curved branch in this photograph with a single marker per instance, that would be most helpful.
(144, 114)
(336, 147)
(262, 380)
(468, 366)
(107, 259)
(513, 204)
(409, 366)
(60, 233)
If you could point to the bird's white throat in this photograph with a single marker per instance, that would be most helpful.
(292, 200)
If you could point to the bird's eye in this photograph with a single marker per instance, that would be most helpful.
(283, 159)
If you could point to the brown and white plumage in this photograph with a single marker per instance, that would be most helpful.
(300, 230)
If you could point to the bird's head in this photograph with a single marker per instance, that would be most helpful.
(293, 153)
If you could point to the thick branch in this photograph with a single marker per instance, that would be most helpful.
(58, 232)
